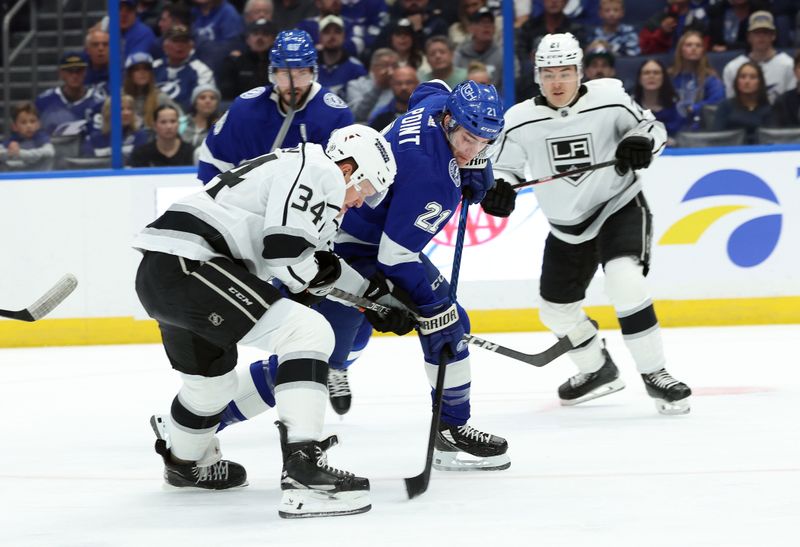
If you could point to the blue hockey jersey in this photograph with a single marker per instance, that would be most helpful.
(425, 194)
(250, 125)
(55, 109)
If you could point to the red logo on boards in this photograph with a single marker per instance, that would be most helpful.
(480, 228)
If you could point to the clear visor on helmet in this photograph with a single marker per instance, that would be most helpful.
(367, 192)
(467, 146)
(301, 77)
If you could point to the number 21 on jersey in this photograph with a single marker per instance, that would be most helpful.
(432, 218)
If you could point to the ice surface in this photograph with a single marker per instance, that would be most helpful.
(77, 466)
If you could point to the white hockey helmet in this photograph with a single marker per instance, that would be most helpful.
(371, 152)
(558, 50)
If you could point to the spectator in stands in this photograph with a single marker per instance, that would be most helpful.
(439, 53)
(402, 41)
(416, 15)
(167, 149)
(148, 12)
(373, 91)
(654, 91)
(139, 82)
(217, 29)
(778, 67)
(336, 66)
(136, 35)
(749, 109)
(313, 25)
(287, 14)
(552, 20)
(96, 45)
(727, 23)
(662, 31)
(367, 17)
(404, 81)
(172, 15)
(459, 31)
(598, 61)
(246, 69)
(695, 81)
(179, 73)
(786, 109)
(479, 72)
(482, 46)
(255, 10)
(204, 113)
(97, 142)
(585, 12)
(28, 148)
(70, 102)
(624, 39)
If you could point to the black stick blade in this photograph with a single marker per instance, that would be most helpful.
(416, 486)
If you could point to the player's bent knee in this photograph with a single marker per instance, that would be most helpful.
(560, 318)
(624, 283)
(208, 394)
(307, 331)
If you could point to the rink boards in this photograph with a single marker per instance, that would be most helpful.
(724, 248)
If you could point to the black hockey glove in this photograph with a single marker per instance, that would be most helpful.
(634, 152)
(500, 200)
(318, 288)
(399, 320)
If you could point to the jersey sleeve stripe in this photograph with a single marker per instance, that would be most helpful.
(635, 117)
(294, 184)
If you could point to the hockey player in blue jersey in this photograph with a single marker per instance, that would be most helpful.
(434, 143)
(248, 129)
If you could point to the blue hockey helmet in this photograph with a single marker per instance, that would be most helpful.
(292, 49)
(477, 108)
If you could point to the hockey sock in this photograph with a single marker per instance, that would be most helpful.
(455, 399)
(561, 319)
(301, 396)
(256, 393)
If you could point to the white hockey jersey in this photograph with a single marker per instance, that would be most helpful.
(269, 214)
(540, 140)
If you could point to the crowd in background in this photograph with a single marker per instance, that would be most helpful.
(697, 64)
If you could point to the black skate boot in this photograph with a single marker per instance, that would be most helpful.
(312, 488)
(670, 395)
(210, 472)
(339, 390)
(587, 386)
(464, 448)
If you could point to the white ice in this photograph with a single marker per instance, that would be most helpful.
(77, 466)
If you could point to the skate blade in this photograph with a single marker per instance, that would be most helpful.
(462, 461)
(672, 408)
(296, 504)
(167, 487)
(159, 424)
(607, 389)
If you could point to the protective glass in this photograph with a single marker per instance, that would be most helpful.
(301, 77)
(467, 144)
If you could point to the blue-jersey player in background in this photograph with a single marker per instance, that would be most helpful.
(433, 143)
(249, 127)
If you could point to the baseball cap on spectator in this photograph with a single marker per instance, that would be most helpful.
(331, 20)
(598, 51)
(480, 14)
(138, 58)
(73, 59)
(178, 32)
(262, 26)
(403, 25)
(759, 20)
(205, 87)
(130, 3)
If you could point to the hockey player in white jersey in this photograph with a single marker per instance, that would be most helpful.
(205, 278)
(596, 218)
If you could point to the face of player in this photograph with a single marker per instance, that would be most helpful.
(26, 125)
(651, 77)
(747, 81)
(355, 194)
(692, 49)
(206, 103)
(559, 84)
(300, 77)
(166, 127)
(465, 145)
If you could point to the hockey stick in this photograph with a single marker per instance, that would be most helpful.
(46, 303)
(567, 173)
(287, 121)
(573, 339)
(419, 484)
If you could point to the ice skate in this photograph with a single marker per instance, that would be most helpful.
(339, 390)
(312, 488)
(464, 448)
(671, 396)
(587, 386)
(211, 472)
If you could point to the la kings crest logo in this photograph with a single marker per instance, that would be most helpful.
(571, 152)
